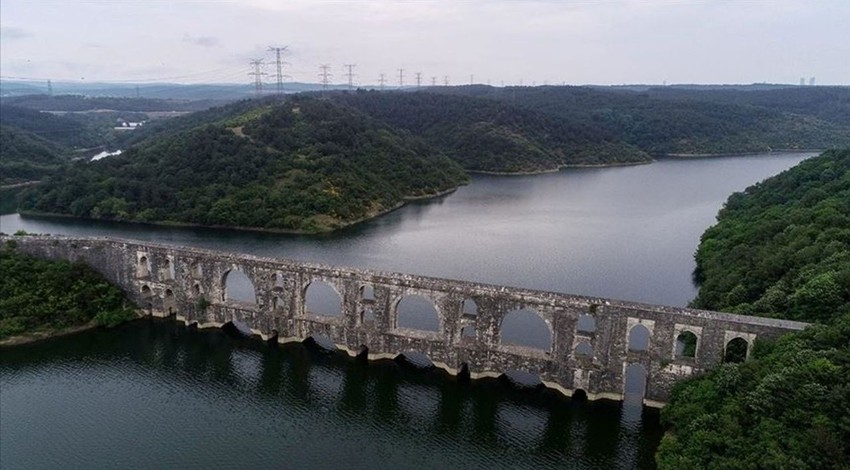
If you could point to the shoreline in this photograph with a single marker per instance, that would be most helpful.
(559, 168)
(399, 205)
(37, 336)
(687, 156)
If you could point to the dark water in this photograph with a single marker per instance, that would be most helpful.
(155, 395)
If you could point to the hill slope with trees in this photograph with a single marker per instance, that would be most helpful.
(780, 249)
(300, 165)
(682, 121)
(487, 136)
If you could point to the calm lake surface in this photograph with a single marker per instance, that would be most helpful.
(153, 394)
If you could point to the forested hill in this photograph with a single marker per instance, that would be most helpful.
(302, 164)
(33, 143)
(483, 135)
(681, 121)
(780, 249)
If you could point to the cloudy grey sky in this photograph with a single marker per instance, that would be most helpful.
(554, 41)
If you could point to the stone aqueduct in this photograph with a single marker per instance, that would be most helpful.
(190, 283)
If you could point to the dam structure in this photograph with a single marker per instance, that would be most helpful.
(590, 345)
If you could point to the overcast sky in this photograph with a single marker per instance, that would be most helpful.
(500, 41)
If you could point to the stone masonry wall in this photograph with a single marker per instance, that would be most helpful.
(190, 283)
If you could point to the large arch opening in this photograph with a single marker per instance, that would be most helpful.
(322, 299)
(686, 345)
(639, 338)
(418, 313)
(634, 386)
(527, 328)
(736, 350)
(238, 288)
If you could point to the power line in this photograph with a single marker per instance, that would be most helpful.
(350, 74)
(279, 64)
(325, 75)
(258, 75)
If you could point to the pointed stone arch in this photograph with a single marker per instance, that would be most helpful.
(526, 327)
(238, 287)
(322, 298)
(417, 312)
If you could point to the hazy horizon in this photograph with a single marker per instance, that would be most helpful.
(499, 42)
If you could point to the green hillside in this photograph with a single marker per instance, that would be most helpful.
(688, 122)
(780, 249)
(483, 135)
(301, 165)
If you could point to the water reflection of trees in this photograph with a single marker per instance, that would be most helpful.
(523, 427)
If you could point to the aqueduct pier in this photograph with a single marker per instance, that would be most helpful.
(589, 346)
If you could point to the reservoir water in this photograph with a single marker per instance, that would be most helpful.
(153, 394)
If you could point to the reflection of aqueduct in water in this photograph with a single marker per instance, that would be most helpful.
(589, 344)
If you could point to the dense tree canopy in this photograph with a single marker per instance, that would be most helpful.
(690, 122)
(305, 164)
(483, 135)
(780, 249)
(38, 295)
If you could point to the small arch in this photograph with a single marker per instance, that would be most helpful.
(321, 298)
(523, 379)
(469, 307)
(170, 303)
(362, 353)
(143, 268)
(584, 349)
(321, 341)
(579, 395)
(686, 344)
(586, 323)
(416, 359)
(197, 270)
(167, 270)
(238, 287)
(736, 350)
(367, 316)
(276, 280)
(277, 303)
(197, 288)
(634, 383)
(468, 333)
(639, 338)
(463, 373)
(418, 313)
(525, 327)
(146, 291)
(367, 293)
